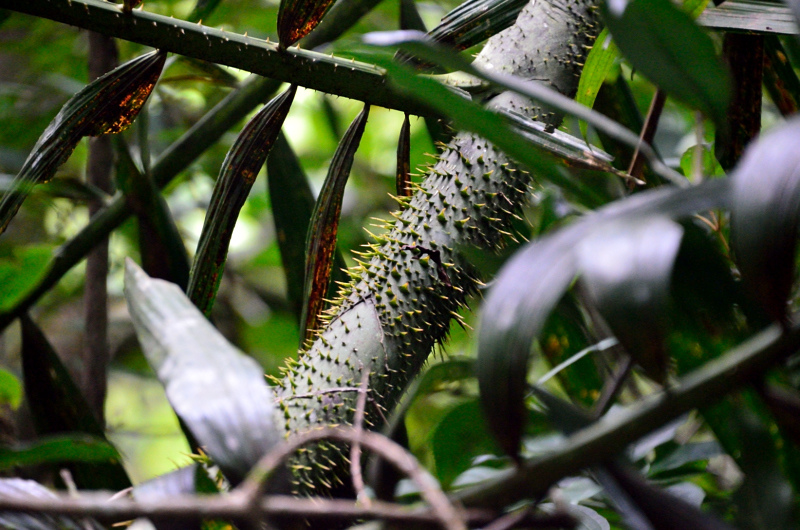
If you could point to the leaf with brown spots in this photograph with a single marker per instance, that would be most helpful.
(106, 106)
(321, 242)
(239, 170)
(296, 19)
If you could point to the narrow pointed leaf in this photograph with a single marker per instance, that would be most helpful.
(403, 177)
(409, 16)
(106, 106)
(663, 43)
(16, 488)
(627, 271)
(160, 244)
(475, 21)
(780, 79)
(322, 231)
(297, 18)
(218, 392)
(765, 216)
(599, 62)
(58, 450)
(292, 202)
(236, 178)
(58, 406)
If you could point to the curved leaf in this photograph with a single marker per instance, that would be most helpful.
(601, 58)
(765, 216)
(218, 392)
(296, 19)
(16, 488)
(665, 44)
(321, 242)
(475, 21)
(627, 271)
(236, 178)
(106, 106)
(403, 178)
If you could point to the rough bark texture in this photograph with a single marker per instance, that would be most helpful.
(411, 282)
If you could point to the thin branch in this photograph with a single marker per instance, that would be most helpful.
(647, 135)
(355, 447)
(326, 73)
(255, 485)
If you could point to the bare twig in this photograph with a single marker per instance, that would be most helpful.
(355, 447)
(254, 486)
(646, 137)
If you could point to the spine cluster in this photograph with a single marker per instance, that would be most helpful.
(410, 283)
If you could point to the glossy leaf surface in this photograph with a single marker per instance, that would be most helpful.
(237, 175)
(323, 229)
(107, 106)
(218, 392)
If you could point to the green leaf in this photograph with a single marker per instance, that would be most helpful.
(21, 268)
(236, 178)
(685, 454)
(627, 271)
(292, 202)
(663, 43)
(58, 406)
(107, 106)
(409, 16)
(322, 231)
(599, 62)
(58, 450)
(160, 244)
(10, 390)
(218, 392)
(460, 436)
(296, 19)
(764, 217)
(16, 488)
(403, 174)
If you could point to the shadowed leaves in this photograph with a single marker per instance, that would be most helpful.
(403, 177)
(296, 19)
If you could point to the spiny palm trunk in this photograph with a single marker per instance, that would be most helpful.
(412, 282)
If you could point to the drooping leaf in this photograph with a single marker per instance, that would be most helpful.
(58, 406)
(16, 488)
(219, 393)
(627, 271)
(403, 178)
(106, 106)
(513, 315)
(296, 19)
(236, 178)
(160, 244)
(601, 58)
(58, 450)
(764, 217)
(10, 389)
(663, 43)
(292, 202)
(322, 231)
(475, 21)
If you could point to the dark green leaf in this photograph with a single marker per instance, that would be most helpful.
(10, 390)
(16, 488)
(58, 450)
(459, 437)
(765, 216)
(296, 19)
(322, 231)
(475, 21)
(218, 392)
(160, 244)
(58, 406)
(106, 106)
(627, 271)
(663, 43)
(409, 16)
(686, 454)
(20, 270)
(601, 58)
(292, 203)
(236, 178)
(403, 178)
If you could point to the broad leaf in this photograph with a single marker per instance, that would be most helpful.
(16, 488)
(323, 229)
(106, 106)
(663, 43)
(403, 173)
(218, 392)
(627, 271)
(21, 269)
(765, 216)
(58, 406)
(236, 178)
(160, 244)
